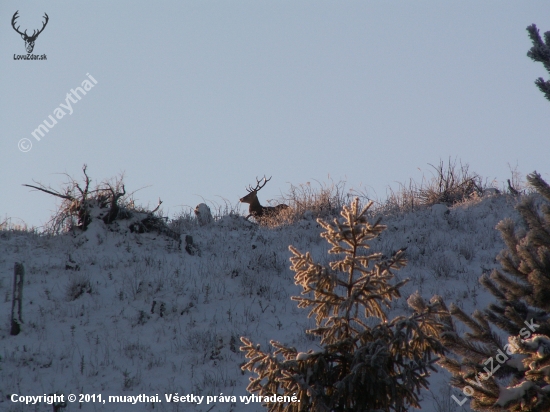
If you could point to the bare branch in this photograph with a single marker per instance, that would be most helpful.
(113, 212)
(51, 192)
(84, 192)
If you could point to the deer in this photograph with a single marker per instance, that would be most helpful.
(255, 209)
(29, 40)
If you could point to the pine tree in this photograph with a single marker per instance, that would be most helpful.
(540, 52)
(512, 375)
(366, 362)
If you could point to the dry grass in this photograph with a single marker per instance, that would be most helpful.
(449, 184)
(325, 200)
(187, 219)
(8, 225)
(402, 199)
(310, 202)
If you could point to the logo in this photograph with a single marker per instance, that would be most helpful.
(29, 40)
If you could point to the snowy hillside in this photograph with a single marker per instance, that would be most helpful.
(117, 313)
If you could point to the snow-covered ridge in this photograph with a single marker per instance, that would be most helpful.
(120, 313)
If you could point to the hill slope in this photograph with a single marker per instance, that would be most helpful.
(117, 313)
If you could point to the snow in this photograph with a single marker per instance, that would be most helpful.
(491, 191)
(539, 342)
(160, 321)
(302, 356)
(440, 210)
(508, 394)
(517, 362)
(203, 213)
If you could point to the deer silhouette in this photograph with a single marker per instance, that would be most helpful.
(255, 209)
(29, 40)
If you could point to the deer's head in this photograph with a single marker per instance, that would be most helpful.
(252, 197)
(29, 40)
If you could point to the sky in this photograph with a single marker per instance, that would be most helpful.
(194, 100)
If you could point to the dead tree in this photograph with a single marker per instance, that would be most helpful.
(78, 201)
(75, 201)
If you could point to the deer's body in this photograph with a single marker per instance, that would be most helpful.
(255, 209)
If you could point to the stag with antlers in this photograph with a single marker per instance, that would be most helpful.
(29, 40)
(256, 209)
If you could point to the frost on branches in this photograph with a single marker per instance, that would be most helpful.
(512, 375)
(364, 361)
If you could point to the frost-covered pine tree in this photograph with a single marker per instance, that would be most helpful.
(513, 374)
(540, 52)
(364, 362)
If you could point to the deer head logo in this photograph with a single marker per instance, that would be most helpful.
(29, 40)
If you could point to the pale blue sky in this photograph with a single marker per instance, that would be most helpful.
(197, 98)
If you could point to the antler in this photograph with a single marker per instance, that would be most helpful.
(258, 184)
(15, 16)
(34, 33)
(43, 27)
